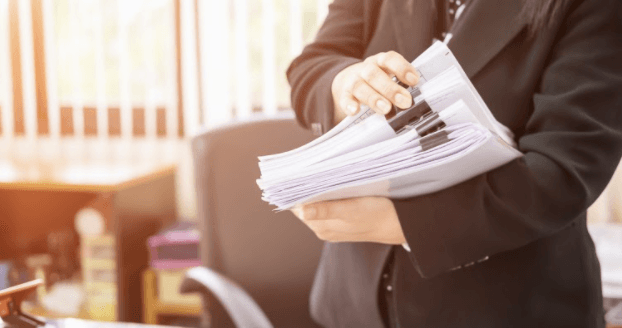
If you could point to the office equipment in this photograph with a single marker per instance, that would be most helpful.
(172, 251)
(99, 275)
(448, 136)
(13, 317)
(176, 247)
(272, 256)
(10, 306)
(39, 194)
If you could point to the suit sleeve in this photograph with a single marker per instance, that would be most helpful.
(339, 43)
(572, 145)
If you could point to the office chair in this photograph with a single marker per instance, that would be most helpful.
(273, 256)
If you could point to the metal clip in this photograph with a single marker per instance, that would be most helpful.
(410, 115)
(429, 124)
(434, 139)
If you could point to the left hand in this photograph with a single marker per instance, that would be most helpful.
(364, 219)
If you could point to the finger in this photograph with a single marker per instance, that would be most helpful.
(349, 104)
(315, 211)
(340, 209)
(382, 83)
(334, 230)
(367, 95)
(395, 64)
(306, 212)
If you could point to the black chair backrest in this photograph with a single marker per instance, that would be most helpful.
(271, 255)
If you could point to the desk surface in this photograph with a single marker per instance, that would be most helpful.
(88, 165)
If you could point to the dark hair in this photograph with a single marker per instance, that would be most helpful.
(542, 13)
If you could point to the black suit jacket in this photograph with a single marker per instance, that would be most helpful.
(508, 248)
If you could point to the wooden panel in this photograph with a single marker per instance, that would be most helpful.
(16, 65)
(201, 83)
(28, 68)
(76, 72)
(114, 121)
(90, 121)
(100, 71)
(66, 120)
(180, 101)
(6, 82)
(49, 43)
(24, 227)
(138, 117)
(161, 122)
(39, 60)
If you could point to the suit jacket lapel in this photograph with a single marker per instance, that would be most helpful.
(485, 28)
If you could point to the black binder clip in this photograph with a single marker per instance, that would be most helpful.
(400, 118)
(410, 116)
(10, 306)
(434, 139)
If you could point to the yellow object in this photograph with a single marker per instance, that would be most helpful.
(168, 288)
(40, 274)
(154, 305)
(99, 276)
(101, 310)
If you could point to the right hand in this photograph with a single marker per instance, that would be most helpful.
(369, 83)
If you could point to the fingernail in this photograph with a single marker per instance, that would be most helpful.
(309, 213)
(402, 101)
(412, 78)
(351, 108)
(383, 105)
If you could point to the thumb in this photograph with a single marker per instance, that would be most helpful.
(305, 212)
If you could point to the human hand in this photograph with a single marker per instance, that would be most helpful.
(369, 83)
(363, 219)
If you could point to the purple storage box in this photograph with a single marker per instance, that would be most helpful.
(176, 247)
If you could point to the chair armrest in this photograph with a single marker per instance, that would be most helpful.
(240, 306)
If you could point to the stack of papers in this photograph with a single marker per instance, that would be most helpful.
(448, 136)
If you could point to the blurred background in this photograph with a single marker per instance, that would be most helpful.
(99, 102)
(145, 69)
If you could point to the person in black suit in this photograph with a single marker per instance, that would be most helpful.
(508, 248)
